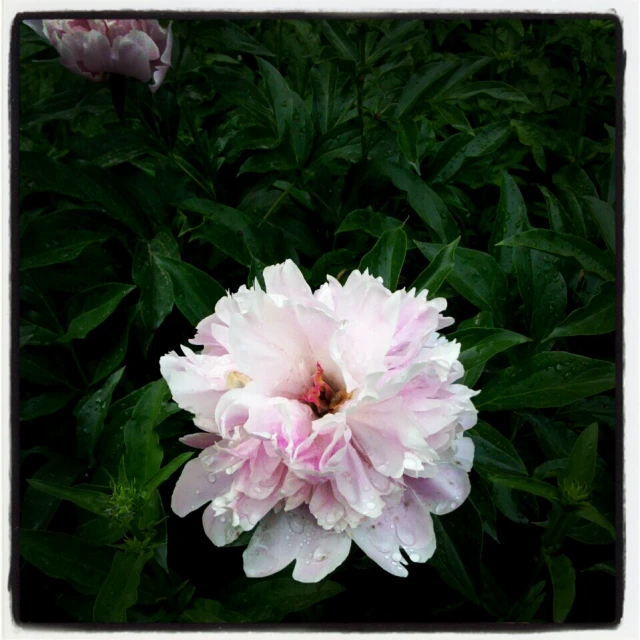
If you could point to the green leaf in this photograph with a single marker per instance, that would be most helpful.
(332, 105)
(604, 567)
(530, 485)
(91, 308)
(301, 131)
(598, 317)
(387, 257)
(38, 508)
(577, 477)
(488, 139)
(590, 513)
(337, 36)
(494, 454)
(549, 379)
(270, 600)
(605, 218)
(426, 202)
(196, 293)
(371, 222)
(457, 555)
(226, 228)
(166, 472)
(225, 36)
(114, 349)
(559, 220)
(44, 404)
(100, 531)
(56, 238)
(156, 298)
(143, 451)
(563, 578)
(66, 557)
(205, 611)
(455, 117)
(90, 415)
(418, 86)
(480, 344)
(93, 501)
(436, 273)
(120, 589)
(499, 90)
(482, 502)
(279, 95)
(561, 244)
(407, 136)
(511, 219)
(476, 276)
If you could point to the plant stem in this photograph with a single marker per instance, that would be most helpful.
(275, 205)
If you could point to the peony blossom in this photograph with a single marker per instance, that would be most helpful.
(327, 417)
(139, 49)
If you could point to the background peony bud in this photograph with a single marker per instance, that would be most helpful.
(139, 49)
(331, 416)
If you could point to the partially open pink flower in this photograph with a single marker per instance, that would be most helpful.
(329, 417)
(139, 49)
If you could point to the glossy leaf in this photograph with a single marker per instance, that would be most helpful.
(530, 485)
(494, 454)
(66, 557)
(550, 379)
(91, 308)
(90, 415)
(387, 257)
(476, 276)
(561, 244)
(371, 222)
(88, 499)
(119, 591)
(598, 317)
(563, 578)
(195, 292)
(581, 464)
(435, 274)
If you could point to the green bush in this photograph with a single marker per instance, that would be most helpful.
(473, 158)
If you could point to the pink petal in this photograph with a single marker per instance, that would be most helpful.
(219, 529)
(130, 59)
(284, 537)
(200, 440)
(405, 523)
(286, 280)
(197, 486)
(444, 492)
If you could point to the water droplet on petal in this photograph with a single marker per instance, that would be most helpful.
(222, 519)
(371, 506)
(211, 477)
(297, 526)
(319, 555)
(396, 556)
(406, 536)
(197, 492)
(414, 557)
(193, 506)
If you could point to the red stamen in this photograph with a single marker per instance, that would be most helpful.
(320, 393)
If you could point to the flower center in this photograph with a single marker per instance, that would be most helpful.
(322, 397)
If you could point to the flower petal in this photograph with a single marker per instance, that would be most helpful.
(219, 529)
(444, 492)
(293, 535)
(406, 523)
(196, 486)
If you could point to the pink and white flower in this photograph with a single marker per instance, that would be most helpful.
(95, 49)
(327, 417)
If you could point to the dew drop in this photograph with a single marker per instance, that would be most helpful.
(319, 555)
(406, 536)
(222, 519)
(193, 506)
(414, 557)
(211, 477)
(197, 491)
(396, 556)
(371, 506)
(295, 525)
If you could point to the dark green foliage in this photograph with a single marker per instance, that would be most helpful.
(474, 159)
